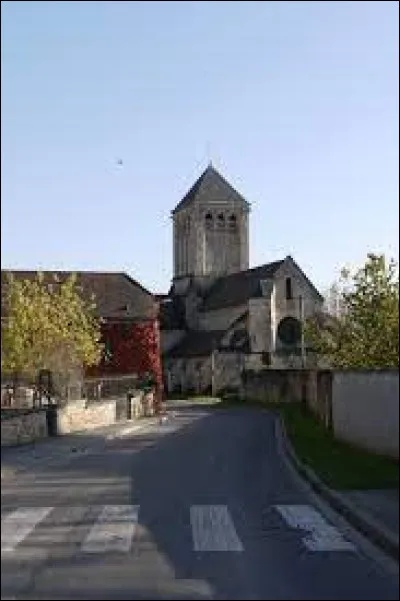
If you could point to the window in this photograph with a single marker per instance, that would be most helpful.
(266, 358)
(125, 331)
(221, 220)
(232, 221)
(289, 331)
(289, 291)
(209, 220)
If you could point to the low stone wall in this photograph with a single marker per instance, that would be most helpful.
(84, 415)
(23, 428)
(360, 406)
(18, 426)
(79, 415)
(275, 385)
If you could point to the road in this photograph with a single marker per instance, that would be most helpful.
(203, 507)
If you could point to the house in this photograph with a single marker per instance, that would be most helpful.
(220, 316)
(129, 313)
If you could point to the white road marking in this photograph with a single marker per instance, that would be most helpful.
(323, 536)
(113, 530)
(19, 524)
(213, 529)
(124, 432)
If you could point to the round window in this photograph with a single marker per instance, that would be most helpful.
(289, 330)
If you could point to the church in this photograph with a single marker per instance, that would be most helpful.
(220, 317)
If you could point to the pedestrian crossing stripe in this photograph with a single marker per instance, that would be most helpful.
(19, 524)
(322, 536)
(114, 528)
(113, 531)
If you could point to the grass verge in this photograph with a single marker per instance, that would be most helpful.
(339, 464)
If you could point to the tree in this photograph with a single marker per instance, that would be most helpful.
(48, 325)
(365, 332)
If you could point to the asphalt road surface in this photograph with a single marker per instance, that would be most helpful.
(202, 507)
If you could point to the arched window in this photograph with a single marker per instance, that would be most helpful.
(221, 220)
(209, 220)
(232, 221)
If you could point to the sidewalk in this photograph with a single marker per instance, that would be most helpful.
(56, 451)
(381, 505)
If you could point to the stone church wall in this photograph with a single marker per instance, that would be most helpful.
(260, 327)
(300, 287)
(194, 375)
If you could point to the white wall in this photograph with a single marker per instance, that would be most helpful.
(365, 409)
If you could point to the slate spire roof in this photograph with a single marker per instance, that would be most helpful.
(210, 179)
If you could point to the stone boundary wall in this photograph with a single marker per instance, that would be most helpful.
(359, 406)
(28, 426)
(80, 415)
(365, 409)
(24, 428)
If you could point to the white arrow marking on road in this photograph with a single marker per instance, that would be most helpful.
(113, 531)
(213, 529)
(19, 524)
(323, 536)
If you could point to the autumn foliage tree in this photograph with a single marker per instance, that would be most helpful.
(365, 332)
(48, 325)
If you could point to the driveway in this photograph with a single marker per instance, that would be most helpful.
(202, 507)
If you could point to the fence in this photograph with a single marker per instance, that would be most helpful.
(24, 392)
(110, 387)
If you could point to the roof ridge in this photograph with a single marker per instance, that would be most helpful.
(66, 271)
(251, 269)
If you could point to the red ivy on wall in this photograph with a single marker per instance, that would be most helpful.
(134, 348)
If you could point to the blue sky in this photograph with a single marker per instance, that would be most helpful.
(296, 103)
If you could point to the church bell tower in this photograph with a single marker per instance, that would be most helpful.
(210, 229)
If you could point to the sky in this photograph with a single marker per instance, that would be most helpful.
(295, 103)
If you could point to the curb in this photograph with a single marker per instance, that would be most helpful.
(359, 519)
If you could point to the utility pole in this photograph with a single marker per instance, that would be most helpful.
(302, 346)
(213, 379)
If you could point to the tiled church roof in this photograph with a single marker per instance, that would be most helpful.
(197, 344)
(237, 288)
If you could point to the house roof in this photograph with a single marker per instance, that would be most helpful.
(117, 295)
(197, 344)
(236, 288)
(209, 183)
